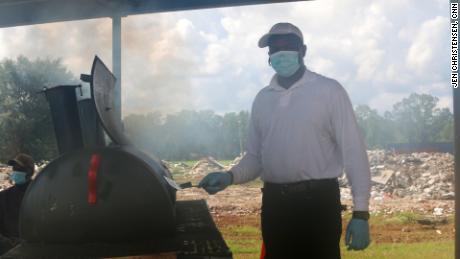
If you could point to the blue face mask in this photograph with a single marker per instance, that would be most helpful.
(18, 177)
(285, 63)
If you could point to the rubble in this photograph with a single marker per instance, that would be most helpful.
(422, 176)
(208, 161)
(383, 177)
(5, 171)
(235, 161)
(418, 182)
(175, 166)
(206, 165)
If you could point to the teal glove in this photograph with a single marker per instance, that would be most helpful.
(216, 182)
(357, 235)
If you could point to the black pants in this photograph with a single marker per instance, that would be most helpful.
(302, 220)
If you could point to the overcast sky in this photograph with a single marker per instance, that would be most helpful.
(380, 51)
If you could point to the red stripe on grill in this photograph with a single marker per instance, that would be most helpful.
(92, 177)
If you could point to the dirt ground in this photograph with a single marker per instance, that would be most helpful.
(388, 233)
(240, 205)
(242, 200)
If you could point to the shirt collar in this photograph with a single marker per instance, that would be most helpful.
(307, 76)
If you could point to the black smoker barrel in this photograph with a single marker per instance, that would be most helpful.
(93, 193)
(128, 202)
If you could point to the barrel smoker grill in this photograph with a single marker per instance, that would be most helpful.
(97, 200)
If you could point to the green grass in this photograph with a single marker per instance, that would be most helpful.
(428, 250)
(245, 230)
(401, 218)
(250, 248)
(395, 218)
(245, 242)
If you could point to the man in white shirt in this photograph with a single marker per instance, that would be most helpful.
(302, 134)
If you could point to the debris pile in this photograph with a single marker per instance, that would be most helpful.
(176, 167)
(183, 172)
(423, 176)
(419, 182)
(235, 161)
(5, 171)
(206, 165)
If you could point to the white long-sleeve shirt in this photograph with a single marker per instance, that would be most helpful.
(308, 131)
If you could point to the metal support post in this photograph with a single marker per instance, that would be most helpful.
(116, 61)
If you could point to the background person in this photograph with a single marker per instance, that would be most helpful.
(23, 167)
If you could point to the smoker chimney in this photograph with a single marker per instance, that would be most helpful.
(64, 111)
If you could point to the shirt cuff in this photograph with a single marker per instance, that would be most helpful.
(361, 203)
(239, 174)
(236, 174)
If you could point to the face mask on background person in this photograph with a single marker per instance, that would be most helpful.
(18, 177)
(285, 63)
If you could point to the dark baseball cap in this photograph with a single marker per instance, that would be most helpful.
(280, 29)
(24, 161)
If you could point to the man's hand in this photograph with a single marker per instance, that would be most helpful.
(357, 234)
(216, 182)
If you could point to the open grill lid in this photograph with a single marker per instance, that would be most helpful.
(103, 95)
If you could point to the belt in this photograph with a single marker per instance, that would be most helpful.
(302, 186)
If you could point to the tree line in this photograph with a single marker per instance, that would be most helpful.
(189, 134)
(414, 119)
(26, 124)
